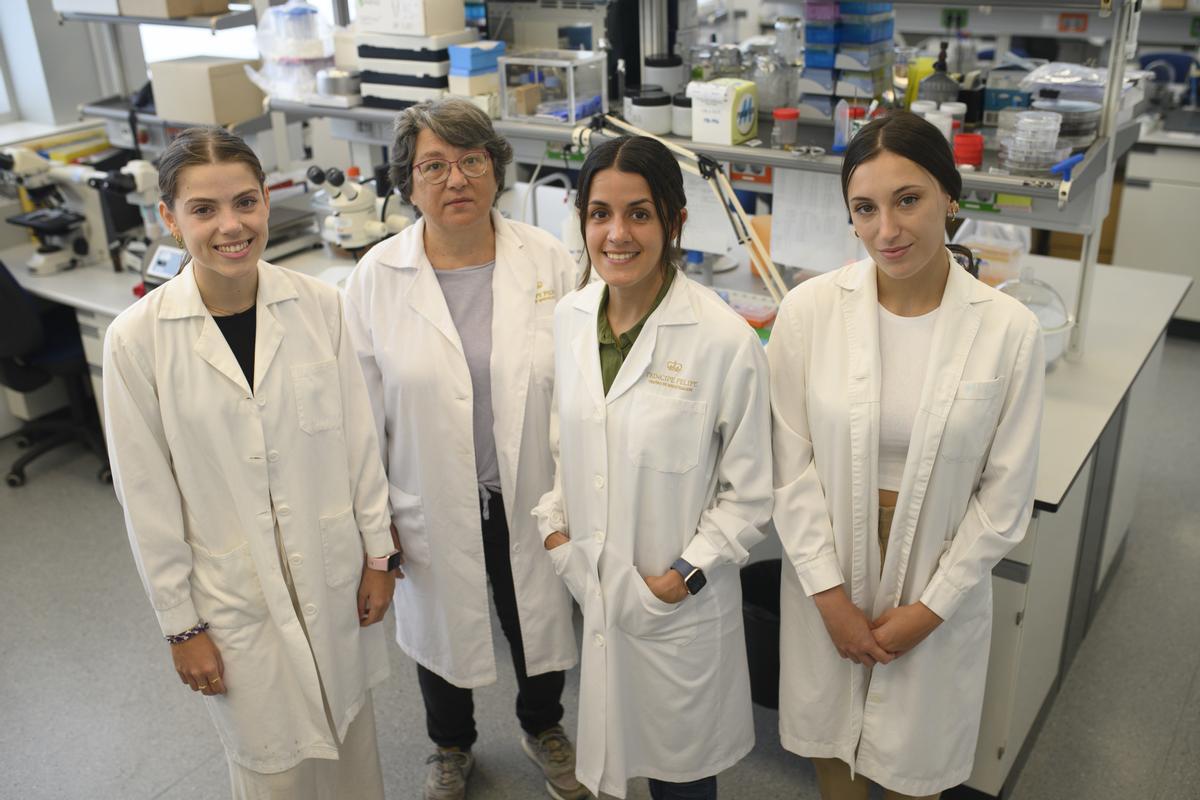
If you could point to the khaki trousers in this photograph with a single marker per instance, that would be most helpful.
(833, 774)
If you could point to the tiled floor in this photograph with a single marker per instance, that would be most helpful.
(91, 707)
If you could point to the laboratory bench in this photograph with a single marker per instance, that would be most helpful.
(1093, 447)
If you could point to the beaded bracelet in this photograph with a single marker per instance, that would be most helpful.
(190, 633)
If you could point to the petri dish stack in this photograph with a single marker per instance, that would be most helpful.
(1080, 120)
(1033, 147)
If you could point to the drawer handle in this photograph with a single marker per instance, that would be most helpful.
(1137, 183)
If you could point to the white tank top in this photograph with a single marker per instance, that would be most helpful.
(904, 344)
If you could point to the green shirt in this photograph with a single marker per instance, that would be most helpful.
(614, 349)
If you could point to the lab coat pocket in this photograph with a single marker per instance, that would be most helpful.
(971, 422)
(318, 396)
(645, 616)
(408, 515)
(225, 588)
(342, 545)
(665, 432)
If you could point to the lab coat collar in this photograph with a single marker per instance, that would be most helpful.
(182, 300)
(677, 308)
(406, 250)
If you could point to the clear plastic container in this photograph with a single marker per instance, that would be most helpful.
(783, 133)
(923, 107)
(957, 112)
(943, 122)
(1048, 306)
(841, 126)
(556, 86)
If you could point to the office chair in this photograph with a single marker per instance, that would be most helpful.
(35, 348)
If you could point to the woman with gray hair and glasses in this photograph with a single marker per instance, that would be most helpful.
(452, 320)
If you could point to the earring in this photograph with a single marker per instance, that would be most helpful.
(178, 238)
(952, 214)
(856, 236)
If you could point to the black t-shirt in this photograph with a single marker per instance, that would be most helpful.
(239, 333)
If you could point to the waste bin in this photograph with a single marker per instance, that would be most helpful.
(760, 610)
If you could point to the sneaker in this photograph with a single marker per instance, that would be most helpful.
(554, 754)
(447, 778)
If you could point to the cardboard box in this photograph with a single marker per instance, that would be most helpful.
(471, 85)
(173, 9)
(410, 17)
(203, 90)
(87, 6)
(523, 100)
(724, 111)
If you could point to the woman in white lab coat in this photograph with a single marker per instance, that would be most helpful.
(243, 454)
(907, 400)
(452, 320)
(663, 482)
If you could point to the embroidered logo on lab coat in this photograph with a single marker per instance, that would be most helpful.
(543, 294)
(677, 382)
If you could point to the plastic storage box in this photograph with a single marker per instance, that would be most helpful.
(553, 85)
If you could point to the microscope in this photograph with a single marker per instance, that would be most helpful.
(357, 219)
(67, 221)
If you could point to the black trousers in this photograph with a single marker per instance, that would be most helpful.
(449, 709)
(703, 789)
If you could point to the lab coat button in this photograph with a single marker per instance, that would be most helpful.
(310, 610)
(273, 455)
(262, 402)
(599, 535)
(599, 640)
(283, 511)
(599, 479)
(517, 547)
(297, 560)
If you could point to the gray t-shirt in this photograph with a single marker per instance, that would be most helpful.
(468, 293)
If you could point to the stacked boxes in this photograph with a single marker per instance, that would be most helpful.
(400, 71)
(847, 53)
(475, 73)
(403, 49)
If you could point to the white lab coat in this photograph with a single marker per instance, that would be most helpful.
(421, 395)
(965, 500)
(675, 461)
(204, 468)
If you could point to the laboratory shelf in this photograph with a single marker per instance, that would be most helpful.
(238, 16)
(1103, 6)
(1156, 27)
(1041, 201)
(117, 109)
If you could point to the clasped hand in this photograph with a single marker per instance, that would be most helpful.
(868, 642)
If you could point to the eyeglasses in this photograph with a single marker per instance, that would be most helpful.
(437, 170)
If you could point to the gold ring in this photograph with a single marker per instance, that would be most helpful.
(214, 680)
(202, 686)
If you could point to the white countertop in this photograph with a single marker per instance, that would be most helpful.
(1130, 311)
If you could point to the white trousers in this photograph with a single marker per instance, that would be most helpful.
(355, 774)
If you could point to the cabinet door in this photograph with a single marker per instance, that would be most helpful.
(1158, 231)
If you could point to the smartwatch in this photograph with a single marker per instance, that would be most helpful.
(385, 563)
(693, 577)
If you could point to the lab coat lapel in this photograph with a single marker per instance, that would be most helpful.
(514, 294)
(183, 300)
(424, 294)
(953, 334)
(675, 309)
(586, 345)
(273, 288)
(860, 317)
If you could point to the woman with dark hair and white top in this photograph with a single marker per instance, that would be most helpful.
(907, 402)
(452, 320)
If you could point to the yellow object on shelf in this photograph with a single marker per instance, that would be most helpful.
(918, 70)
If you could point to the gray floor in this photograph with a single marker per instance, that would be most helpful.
(90, 707)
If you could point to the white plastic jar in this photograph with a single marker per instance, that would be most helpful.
(651, 111)
(681, 115)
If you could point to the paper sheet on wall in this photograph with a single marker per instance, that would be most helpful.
(707, 228)
(809, 227)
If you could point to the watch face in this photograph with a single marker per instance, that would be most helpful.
(394, 561)
(696, 581)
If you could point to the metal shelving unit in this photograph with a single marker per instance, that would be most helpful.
(238, 16)
(1156, 27)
